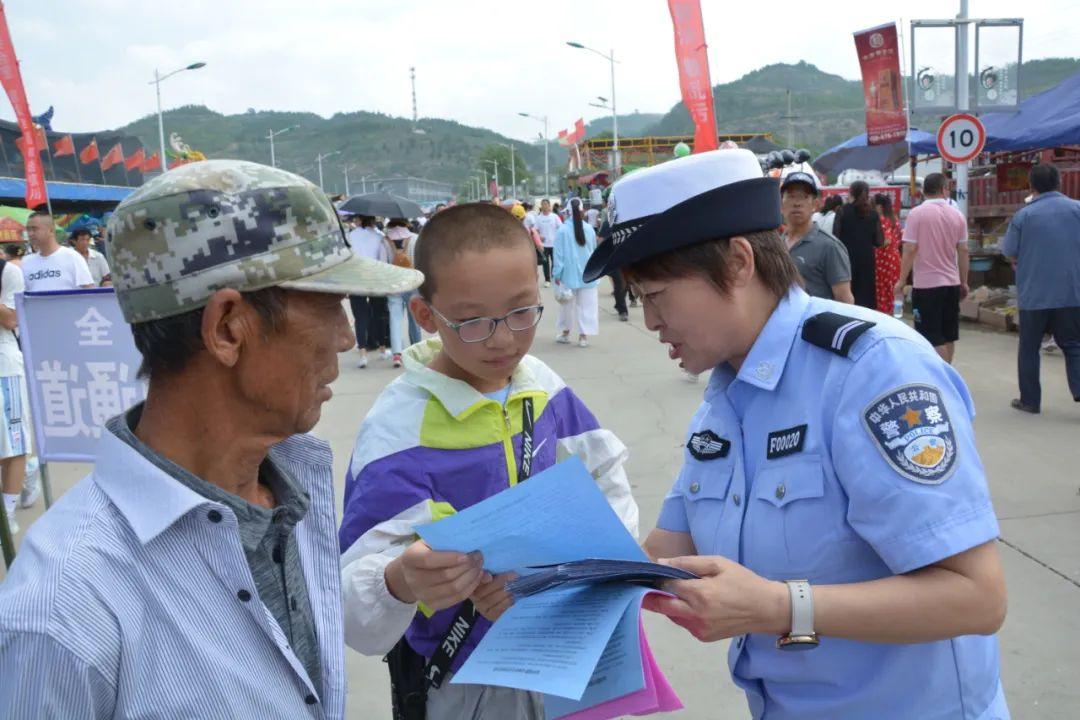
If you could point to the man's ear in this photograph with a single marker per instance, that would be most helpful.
(228, 323)
(421, 311)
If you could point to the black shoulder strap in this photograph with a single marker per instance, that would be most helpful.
(465, 618)
(834, 332)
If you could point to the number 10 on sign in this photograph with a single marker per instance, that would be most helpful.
(960, 138)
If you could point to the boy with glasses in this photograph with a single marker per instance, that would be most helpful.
(447, 434)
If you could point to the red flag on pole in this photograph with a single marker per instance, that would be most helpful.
(113, 157)
(879, 59)
(151, 163)
(564, 138)
(89, 153)
(64, 146)
(11, 79)
(691, 54)
(579, 131)
(136, 160)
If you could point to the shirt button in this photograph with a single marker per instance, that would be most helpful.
(694, 487)
(781, 491)
(310, 700)
(737, 499)
(244, 595)
(213, 516)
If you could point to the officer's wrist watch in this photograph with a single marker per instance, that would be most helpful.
(802, 635)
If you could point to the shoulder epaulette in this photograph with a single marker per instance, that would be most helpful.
(834, 332)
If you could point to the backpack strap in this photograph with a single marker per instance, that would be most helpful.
(834, 332)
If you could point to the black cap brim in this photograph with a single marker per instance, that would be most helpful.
(735, 209)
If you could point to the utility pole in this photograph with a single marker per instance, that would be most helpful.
(962, 100)
(412, 79)
(790, 122)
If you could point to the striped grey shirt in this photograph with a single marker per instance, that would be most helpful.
(132, 597)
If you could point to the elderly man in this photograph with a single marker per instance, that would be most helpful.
(194, 573)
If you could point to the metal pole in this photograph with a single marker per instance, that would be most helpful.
(346, 182)
(547, 173)
(273, 159)
(962, 101)
(160, 123)
(319, 159)
(614, 116)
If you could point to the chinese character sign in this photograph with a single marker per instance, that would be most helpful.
(693, 61)
(81, 364)
(879, 58)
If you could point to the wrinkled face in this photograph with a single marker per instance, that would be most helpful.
(797, 205)
(40, 231)
(693, 318)
(477, 284)
(286, 375)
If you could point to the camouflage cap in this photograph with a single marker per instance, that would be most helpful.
(220, 224)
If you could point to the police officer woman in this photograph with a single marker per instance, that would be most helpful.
(831, 497)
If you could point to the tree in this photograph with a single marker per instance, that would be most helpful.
(501, 154)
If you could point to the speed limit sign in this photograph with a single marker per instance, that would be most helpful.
(960, 138)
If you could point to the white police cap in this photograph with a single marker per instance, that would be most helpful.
(683, 202)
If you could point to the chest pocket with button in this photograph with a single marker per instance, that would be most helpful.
(789, 525)
(704, 487)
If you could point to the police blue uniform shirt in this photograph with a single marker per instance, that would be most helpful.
(841, 469)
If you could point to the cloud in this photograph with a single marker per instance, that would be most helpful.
(477, 62)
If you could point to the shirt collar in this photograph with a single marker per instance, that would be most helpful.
(764, 364)
(458, 397)
(1041, 196)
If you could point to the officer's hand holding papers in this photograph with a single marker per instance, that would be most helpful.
(574, 632)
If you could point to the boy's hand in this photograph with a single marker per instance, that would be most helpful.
(491, 598)
(438, 579)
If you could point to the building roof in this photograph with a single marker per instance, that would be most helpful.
(15, 188)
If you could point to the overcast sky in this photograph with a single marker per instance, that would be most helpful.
(479, 62)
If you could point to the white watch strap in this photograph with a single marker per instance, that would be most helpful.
(802, 607)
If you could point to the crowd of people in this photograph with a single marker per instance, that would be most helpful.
(823, 521)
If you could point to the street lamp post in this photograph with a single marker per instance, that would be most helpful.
(496, 164)
(513, 168)
(546, 171)
(158, 79)
(319, 158)
(271, 136)
(347, 169)
(614, 115)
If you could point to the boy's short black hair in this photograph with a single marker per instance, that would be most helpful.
(76, 234)
(476, 226)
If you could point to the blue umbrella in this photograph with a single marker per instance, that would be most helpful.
(855, 154)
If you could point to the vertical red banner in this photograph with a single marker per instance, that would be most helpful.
(879, 58)
(692, 57)
(31, 145)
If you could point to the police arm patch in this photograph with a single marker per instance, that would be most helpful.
(910, 427)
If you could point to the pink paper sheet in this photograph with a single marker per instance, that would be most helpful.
(656, 696)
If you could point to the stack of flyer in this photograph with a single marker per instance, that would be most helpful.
(574, 632)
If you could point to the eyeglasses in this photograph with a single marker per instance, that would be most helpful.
(481, 328)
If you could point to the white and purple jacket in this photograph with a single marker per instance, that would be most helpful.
(431, 446)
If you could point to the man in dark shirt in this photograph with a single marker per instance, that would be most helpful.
(1044, 239)
(822, 259)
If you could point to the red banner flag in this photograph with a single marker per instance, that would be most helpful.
(692, 56)
(579, 130)
(136, 160)
(564, 138)
(151, 163)
(13, 84)
(89, 153)
(879, 58)
(113, 157)
(64, 146)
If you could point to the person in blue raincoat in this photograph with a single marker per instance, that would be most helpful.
(831, 497)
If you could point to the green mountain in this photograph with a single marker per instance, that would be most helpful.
(635, 124)
(370, 144)
(826, 109)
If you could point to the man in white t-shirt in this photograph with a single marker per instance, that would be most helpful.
(14, 421)
(82, 243)
(52, 267)
(547, 224)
